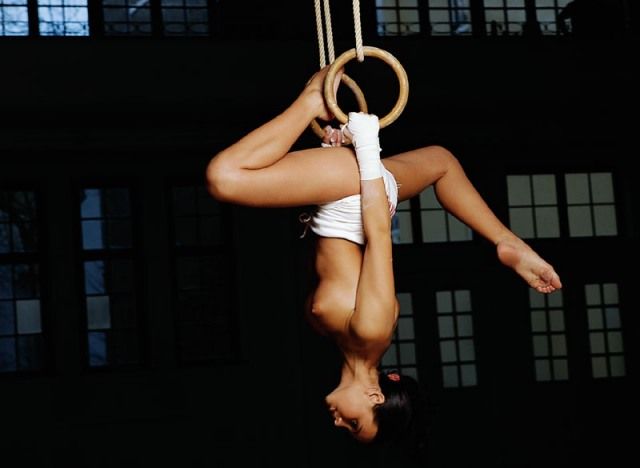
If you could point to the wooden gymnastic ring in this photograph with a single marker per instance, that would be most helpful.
(369, 51)
(353, 86)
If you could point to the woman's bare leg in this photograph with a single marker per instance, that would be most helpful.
(258, 170)
(434, 165)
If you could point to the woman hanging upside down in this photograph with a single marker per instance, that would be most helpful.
(356, 193)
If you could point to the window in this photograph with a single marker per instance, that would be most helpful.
(397, 17)
(605, 330)
(401, 354)
(455, 330)
(127, 17)
(21, 331)
(533, 205)
(14, 18)
(591, 204)
(549, 336)
(63, 17)
(504, 16)
(185, 17)
(109, 273)
(438, 225)
(450, 17)
(401, 226)
(138, 18)
(547, 13)
(203, 276)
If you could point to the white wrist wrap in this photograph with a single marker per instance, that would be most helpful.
(364, 130)
(368, 157)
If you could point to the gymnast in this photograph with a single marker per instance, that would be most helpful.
(356, 192)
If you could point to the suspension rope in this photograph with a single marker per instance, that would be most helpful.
(320, 33)
(329, 31)
(358, 30)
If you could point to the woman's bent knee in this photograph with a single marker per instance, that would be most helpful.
(222, 180)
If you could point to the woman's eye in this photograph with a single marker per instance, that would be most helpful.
(354, 423)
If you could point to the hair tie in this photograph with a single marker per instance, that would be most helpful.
(393, 376)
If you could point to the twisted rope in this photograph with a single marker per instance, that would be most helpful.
(320, 33)
(358, 30)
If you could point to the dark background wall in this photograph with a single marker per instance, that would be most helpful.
(151, 110)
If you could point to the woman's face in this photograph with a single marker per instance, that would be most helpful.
(351, 408)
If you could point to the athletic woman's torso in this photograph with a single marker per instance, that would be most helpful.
(331, 304)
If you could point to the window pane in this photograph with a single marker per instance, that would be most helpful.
(521, 221)
(612, 315)
(556, 319)
(547, 222)
(28, 316)
(597, 343)
(445, 327)
(121, 275)
(98, 313)
(119, 233)
(468, 374)
(595, 319)
(448, 351)
(599, 367)
(97, 349)
(450, 376)
(561, 369)
(540, 346)
(14, 19)
(92, 235)
(30, 352)
(558, 345)
(405, 328)
(610, 292)
(615, 342)
(617, 366)
(463, 300)
(444, 301)
(467, 351)
(518, 190)
(91, 204)
(544, 189)
(604, 218)
(406, 303)
(592, 292)
(7, 354)
(401, 228)
(7, 318)
(577, 189)
(602, 187)
(26, 283)
(580, 221)
(465, 325)
(458, 231)
(94, 280)
(407, 353)
(538, 321)
(434, 226)
(389, 359)
(543, 370)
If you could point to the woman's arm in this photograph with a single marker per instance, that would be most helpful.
(375, 313)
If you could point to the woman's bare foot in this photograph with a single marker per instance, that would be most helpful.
(527, 263)
(314, 90)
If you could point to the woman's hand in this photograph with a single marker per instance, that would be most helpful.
(335, 137)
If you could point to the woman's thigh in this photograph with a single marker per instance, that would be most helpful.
(306, 177)
(321, 175)
(417, 169)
